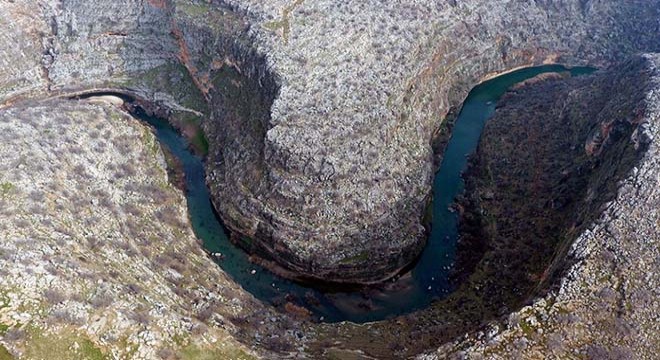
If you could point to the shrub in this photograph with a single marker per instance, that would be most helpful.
(169, 217)
(132, 209)
(15, 335)
(66, 316)
(101, 300)
(53, 296)
(165, 354)
(205, 314)
(142, 317)
(133, 289)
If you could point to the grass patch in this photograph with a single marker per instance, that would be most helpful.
(191, 127)
(3, 329)
(200, 143)
(246, 242)
(6, 188)
(90, 351)
(195, 10)
(427, 219)
(361, 257)
(61, 346)
(193, 352)
(526, 328)
(284, 23)
(175, 78)
(150, 141)
(4, 354)
(4, 301)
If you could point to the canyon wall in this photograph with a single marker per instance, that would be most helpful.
(581, 216)
(339, 171)
(319, 117)
(334, 105)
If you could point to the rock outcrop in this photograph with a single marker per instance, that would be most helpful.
(333, 179)
(575, 212)
(319, 117)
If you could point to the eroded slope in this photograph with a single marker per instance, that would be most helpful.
(591, 186)
(97, 247)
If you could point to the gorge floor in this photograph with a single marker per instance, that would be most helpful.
(427, 281)
(424, 59)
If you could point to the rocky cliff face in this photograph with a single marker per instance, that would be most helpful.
(339, 170)
(577, 206)
(98, 257)
(319, 117)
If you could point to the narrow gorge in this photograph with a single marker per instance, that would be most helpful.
(320, 126)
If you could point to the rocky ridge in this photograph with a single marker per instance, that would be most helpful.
(605, 305)
(178, 55)
(343, 165)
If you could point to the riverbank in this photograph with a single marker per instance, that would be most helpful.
(426, 280)
(556, 210)
(339, 90)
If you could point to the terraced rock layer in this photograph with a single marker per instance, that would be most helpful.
(319, 117)
(575, 211)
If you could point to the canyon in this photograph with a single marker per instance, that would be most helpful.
(317, 121)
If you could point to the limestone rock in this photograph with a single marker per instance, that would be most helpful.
(332, 180)
(601, 305)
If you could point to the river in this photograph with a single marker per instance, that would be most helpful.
(428, 280)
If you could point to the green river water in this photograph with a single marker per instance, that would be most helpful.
(427, 281)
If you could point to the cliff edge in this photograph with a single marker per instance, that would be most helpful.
(572, 216)
(329, 173)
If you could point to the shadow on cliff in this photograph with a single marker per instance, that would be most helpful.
(547, 165)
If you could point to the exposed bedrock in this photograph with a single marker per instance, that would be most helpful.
(563, 191)
(323, 155)
(320, 115)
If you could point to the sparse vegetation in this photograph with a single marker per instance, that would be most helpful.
(65, 345)
(4, 354)
(5, 189)
(101, 211)
(193, 352)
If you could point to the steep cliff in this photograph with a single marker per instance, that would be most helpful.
(333, 179)
(574, 213)
(319, 117)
